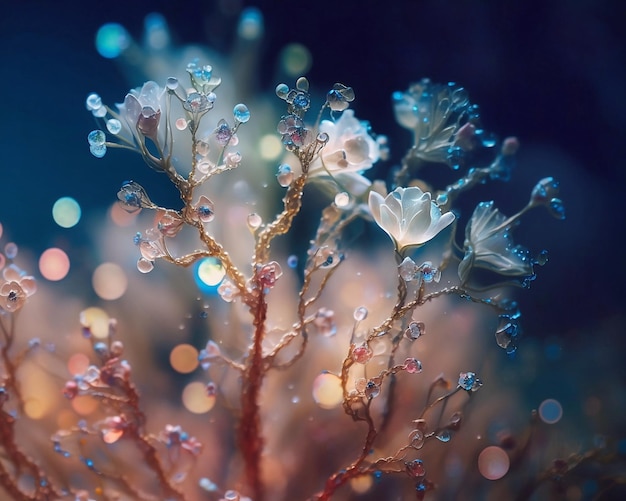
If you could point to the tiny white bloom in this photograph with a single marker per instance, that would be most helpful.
(350, 150)
(488, 245)
(409, 216)
(141, 111)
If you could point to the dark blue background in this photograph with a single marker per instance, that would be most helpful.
(552, 73)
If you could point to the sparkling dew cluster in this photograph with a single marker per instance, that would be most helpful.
(336, 153)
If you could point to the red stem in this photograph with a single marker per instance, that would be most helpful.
(250, 434)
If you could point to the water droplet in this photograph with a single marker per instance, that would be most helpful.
(282, 90)
(241, 113)
(93, 102)
(96, 138)
(342, 199)
(360, 313)
(362, 354)
(412, 365)
(417, 439)
(145, 266)
(415, 468)
(171, 83)
(98, 151)
(254, 221)
(443, 436)
(284, 175)
(100, 112)
(302, 84)
(372, 390)
(114, 126)
(415, 330)
(469, 382)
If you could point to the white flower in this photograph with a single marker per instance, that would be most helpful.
(141, 111)
(409, 216)
(488, 244)
(349, 151)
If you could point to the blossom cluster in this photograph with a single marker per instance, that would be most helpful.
(288, 319)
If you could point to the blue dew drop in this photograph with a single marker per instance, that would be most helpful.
(96, 138)
(98, 150)
(114, 126)
(241, 113)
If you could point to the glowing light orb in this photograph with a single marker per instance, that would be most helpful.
(493, 462)
(66, 212)
(250, 24)
(270, 147)
(210, 271)
(550, 411)
(78, 363)
(96, 320)
(111, 40)
(184, 358)
(195, 398)
(109, 281)
(327, 391)
(54, 264)
(362, 484)
(296, 59)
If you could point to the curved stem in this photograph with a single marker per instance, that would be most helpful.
(250, 432)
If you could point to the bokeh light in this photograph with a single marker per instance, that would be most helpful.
(109, 281)
(54, 264)
(96, 320)
(270, 147)
(550, 411)
(111, 40)
(66, 212)
(295, 59)
(327, 390)
(362, 484)
(77, 363)
(184, 358)
(493, 462)
(250, 24)
(209, 272)
(195, 398)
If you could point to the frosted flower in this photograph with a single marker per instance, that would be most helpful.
(16, 289)
(350, 150)
(488, 244)
(142, 111)
(203, 211)
(409, 216)
(168, 222)
(437, 115)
